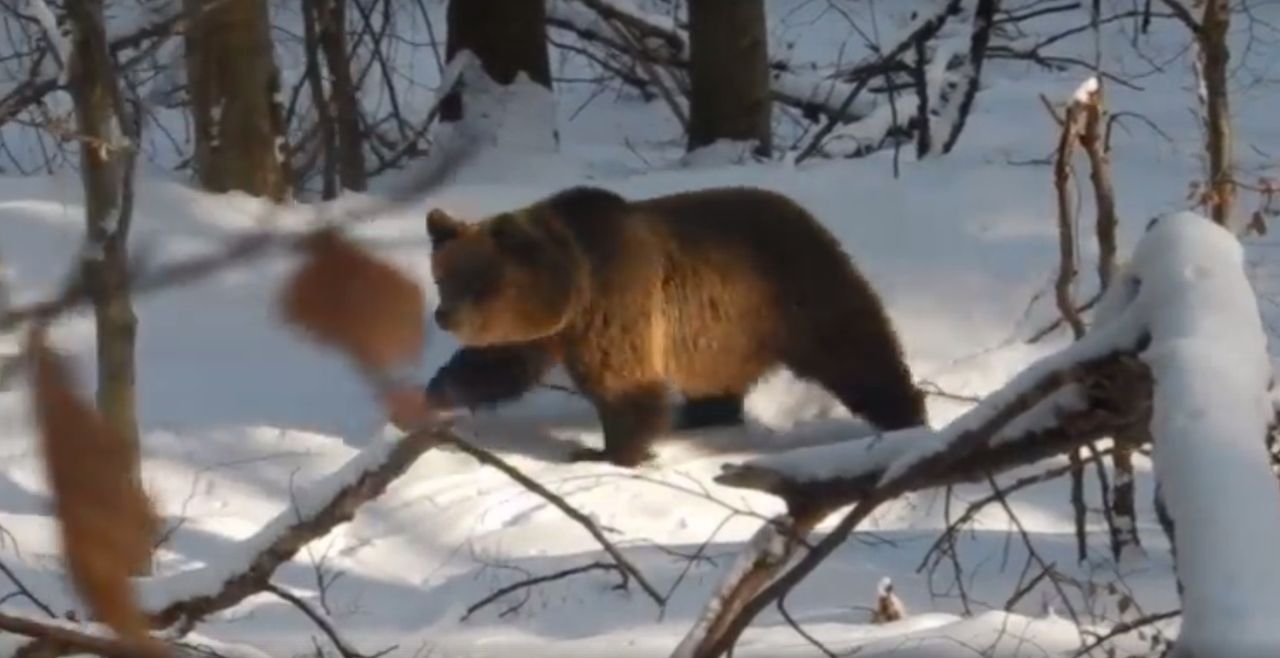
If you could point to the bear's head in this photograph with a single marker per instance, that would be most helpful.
(512, 278)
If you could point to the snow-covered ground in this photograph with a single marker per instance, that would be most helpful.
(238, 413)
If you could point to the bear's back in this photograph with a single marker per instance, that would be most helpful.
(759, 225)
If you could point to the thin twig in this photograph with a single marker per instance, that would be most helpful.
(25, 592)
(538, 580)
(343, 648)
(489, 459)
(1126, 627)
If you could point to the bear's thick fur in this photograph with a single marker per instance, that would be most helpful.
(701, 292)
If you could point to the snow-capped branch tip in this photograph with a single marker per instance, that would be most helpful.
(57, 32)
(1085, 92)
(888, 607)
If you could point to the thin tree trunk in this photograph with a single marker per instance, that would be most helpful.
(729, 73)
(234, 86)
(1124, 528)
(107, 158)
(1215, 55)
(332, 15)
(509, 37)
(983, 20)
(324, 118)
(1124, 533)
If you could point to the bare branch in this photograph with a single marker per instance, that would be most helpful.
(969, 455)
(538, 580)
(338, 643)
(66, 639)
(1066, 217)
(26, 593)
(1183, 14)
(339, 508)
(490, 459)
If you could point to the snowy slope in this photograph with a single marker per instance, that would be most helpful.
(238, 414)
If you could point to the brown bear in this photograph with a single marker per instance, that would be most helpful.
(701, 292)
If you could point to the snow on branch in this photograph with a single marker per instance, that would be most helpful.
(870, 132)
(1037, 398)
(182, 600)
(1045, 414)
(767, 548)
(1177, 345)
(67, 638)
(185, 598)
(1208, 356)
(61, 42)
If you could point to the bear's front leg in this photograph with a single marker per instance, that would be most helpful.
(631, 420)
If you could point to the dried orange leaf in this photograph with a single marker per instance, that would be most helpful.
(345, 298)
(107, 520)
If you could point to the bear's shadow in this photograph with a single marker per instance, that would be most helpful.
(552, 436)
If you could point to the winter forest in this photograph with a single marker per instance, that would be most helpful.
(681, 328)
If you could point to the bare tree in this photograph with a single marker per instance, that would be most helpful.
(730, 96)
(331, 17)
(106, 173)
(509, 37)
(107, 158)
(234, 87)
(1210, 33)
(1214, 56)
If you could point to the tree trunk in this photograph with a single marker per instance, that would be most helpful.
(1124, 532)
(324, 118)
(507, 36)
(729, 73)
(107, 151)
(1214, 57)
(234, 99)
(332, 22)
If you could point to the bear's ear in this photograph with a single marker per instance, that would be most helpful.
(442, 227)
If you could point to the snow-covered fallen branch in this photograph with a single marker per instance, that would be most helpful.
(65, 638)
(1181, 340)
(1208, 357)
(769, 548)
(1046, 412)
(185, 598)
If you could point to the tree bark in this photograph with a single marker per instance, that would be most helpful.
(509, 37)
(332, 22)
(1124, 533)
(324, 118)
(1214, 57)
(729, 73)
(107, 158)
(234, 87)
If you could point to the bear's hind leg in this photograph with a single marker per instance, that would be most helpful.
(631, 421)
(710, 411)
(880, 391)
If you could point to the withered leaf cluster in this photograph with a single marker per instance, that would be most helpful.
(350, 301)
(107, 520)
